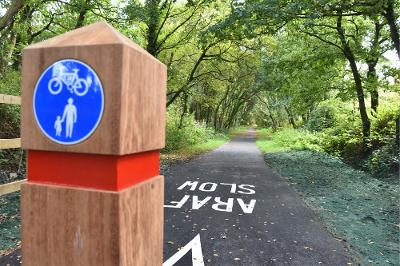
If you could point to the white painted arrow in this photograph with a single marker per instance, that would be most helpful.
(197, 253)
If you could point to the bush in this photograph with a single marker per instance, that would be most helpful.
(10, 124)
(344, 141)
(299, 139)
(385, 161)
(322, 117)
(345, 138)
(10, 121)
(340, 128)
(10, 114)
(383, 127)
(191, 132)
(335, 128)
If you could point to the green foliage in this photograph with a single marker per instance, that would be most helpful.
(385, 162)
(345, 140)
(333, 128)
(288, 139)
(298, 139)
(10, 114)
(322, 117)
(266, 143)
(264, 133)
(268, 146)
(384, 122)
(10, 82)
(10, 122)
(232, 64)
(233, 132)
(339, 129)
(187, 132)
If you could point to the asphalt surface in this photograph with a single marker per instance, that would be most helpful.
(239, 213)
(280, 230)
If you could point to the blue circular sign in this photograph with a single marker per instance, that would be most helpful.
(68, 101)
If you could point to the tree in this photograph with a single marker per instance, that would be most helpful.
(162, 20)
(12, 9)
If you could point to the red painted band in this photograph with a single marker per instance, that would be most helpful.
(108, 172)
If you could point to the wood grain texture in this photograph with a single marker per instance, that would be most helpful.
(10, 143)
(148, 127)
(66, 226)
(134, 85)
(142, 224)
(10, 99)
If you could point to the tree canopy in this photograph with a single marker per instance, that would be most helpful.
(233, 62)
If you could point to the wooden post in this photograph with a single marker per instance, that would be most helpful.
(93, 122)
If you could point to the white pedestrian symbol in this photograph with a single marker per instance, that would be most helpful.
(58, 126)
(70, 115)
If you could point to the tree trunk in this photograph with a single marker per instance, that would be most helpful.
(12, 10)
(372, 60)
(374, 100)
(216, 120)
(372, 81)
(291, 119)
(391, 18)
(190, 77)
(82, 14)
(272, 119)
(185, 99)
(5, 62)
(153, 22)
(26, 17)
(233, 114)
(348, 53)
(366, 124)
(208, 115)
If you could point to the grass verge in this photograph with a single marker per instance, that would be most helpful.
(355, 206)
(194, 150)
(236, 131)
(186, 153)
(266, 143)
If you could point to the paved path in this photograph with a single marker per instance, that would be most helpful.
(280, 230)
(212, 197)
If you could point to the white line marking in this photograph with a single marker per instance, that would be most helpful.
(197, 253)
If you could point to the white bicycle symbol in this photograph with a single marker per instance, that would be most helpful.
(71, 80)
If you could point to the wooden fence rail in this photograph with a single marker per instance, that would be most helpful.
(10, 99)
(11, 187)
(10, 144)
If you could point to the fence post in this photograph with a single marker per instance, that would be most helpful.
(93, 123)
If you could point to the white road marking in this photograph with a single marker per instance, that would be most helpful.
(197, 253)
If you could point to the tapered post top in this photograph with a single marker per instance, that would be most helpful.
(92, 90)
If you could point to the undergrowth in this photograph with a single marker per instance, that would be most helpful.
(185, 137)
